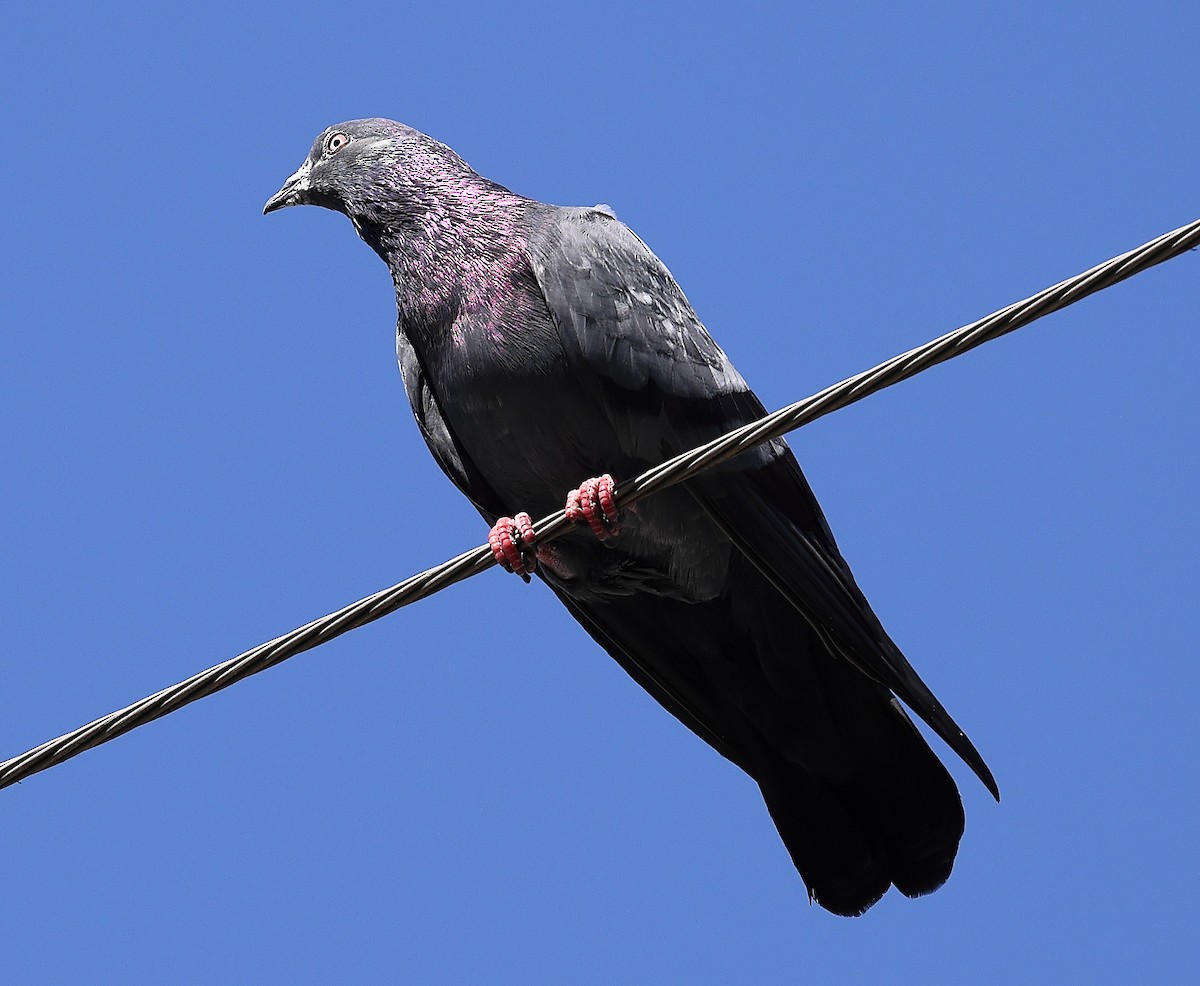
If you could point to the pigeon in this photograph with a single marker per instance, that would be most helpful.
(546, 350)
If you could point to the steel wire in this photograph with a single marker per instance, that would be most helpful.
(675, 470)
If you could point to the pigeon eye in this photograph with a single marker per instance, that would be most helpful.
(335, 142)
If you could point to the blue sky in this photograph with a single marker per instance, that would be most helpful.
(206, 443)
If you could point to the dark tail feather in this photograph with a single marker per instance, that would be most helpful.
(850, 840)
(843, 866)
(870, 806)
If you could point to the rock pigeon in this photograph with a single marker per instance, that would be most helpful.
(540, 346)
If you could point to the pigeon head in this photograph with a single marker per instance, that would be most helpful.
(414, 201)
(375, 171)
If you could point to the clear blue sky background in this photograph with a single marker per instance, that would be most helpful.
(205, 443)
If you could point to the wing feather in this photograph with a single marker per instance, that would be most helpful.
(666, 387)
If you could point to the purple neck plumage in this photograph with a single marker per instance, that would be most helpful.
(444, 232)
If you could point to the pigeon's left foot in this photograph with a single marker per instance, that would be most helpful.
(512, 542)
(593, 504)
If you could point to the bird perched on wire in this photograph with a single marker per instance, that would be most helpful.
(543, 346)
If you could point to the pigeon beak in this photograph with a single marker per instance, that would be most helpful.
(294, 191)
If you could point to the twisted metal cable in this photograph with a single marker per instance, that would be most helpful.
(672, 471)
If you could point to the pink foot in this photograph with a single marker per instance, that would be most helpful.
(511, 540)
(593, 504)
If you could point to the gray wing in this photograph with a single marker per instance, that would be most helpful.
(666, 386)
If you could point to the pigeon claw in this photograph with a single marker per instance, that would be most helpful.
(593, 504)
(512, 542)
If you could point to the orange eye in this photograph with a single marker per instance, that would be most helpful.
(335, 142)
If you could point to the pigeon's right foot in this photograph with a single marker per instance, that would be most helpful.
(512, 542)
(593, 504)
